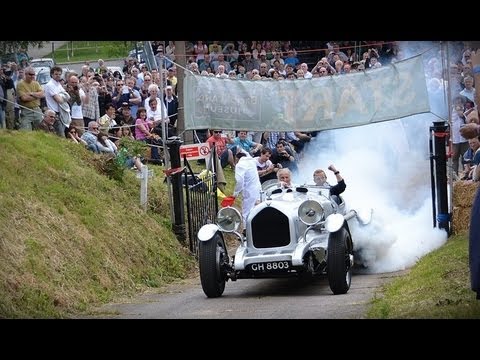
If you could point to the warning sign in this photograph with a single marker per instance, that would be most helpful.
(195, 151)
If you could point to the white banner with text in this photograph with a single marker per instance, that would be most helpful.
(389, 92)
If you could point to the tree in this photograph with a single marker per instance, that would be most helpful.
(13, 46)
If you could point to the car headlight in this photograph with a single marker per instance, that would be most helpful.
(310, 212)
(229, 219)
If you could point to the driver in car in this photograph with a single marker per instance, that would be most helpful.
(284, 176)
(320, 178)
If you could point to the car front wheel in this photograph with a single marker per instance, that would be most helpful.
(212, 256)
(339, 269)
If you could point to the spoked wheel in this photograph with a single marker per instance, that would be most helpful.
(339, 263)
(212, 256)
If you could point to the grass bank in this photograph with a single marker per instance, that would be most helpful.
(438, 286)
(77, 51)
(71, 238)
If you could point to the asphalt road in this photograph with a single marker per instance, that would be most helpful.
(252, 299)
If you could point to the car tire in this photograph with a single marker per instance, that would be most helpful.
(339, 269)
(212, 256)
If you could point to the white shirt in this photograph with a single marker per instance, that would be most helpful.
(247, 182)
(52, 88)
(76, 110)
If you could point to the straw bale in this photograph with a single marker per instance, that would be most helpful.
(464, 193)
(461, 220)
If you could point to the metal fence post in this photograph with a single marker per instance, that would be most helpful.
(440, 133)
(177, 190)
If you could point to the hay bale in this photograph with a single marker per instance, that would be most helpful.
(461, 219)
(464, 193)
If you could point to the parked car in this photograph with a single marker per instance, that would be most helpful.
(300, 232)
(43, 62)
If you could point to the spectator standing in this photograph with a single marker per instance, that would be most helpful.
(469, 91)
(90, 107)
(247, 183)
(171, 103)
(200, 49)
(460, 144)
(54, 97)
(77, 97)
(29, 93)
(170, 50)
(9, 96)
(470, 131)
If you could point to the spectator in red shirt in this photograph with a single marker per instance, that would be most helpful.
(224, 154)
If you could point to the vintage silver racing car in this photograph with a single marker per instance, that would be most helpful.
(292, 232)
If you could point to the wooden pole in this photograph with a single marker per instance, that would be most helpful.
(181, 59)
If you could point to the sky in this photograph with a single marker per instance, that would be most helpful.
(386, 168)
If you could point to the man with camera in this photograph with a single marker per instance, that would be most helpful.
(266, 169)
(77, 97)
(29, 93)
(284, 156)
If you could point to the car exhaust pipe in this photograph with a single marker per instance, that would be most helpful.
(335, 221)
(364, 215)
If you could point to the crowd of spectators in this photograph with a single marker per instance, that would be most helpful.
(133, 101)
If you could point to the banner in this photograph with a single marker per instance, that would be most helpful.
(386, 93)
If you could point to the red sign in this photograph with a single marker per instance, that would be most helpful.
(195, 151)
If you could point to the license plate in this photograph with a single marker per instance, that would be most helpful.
(270, 266)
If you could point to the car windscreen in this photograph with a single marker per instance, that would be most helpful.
(41, 64)
(43, 77)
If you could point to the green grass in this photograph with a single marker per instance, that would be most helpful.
(438, 286)
(71, 238)
(92, 51)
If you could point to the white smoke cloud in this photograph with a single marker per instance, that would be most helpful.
(386, 167)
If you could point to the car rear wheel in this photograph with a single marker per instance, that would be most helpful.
(339, 269)
(212, 256)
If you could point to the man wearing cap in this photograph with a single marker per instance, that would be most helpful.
(124, 117)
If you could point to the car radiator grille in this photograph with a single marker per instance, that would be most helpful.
(270, 228)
